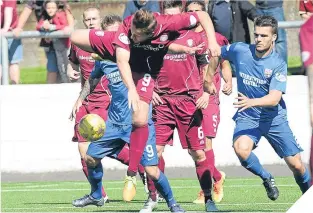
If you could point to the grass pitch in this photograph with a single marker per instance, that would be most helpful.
(241, 195)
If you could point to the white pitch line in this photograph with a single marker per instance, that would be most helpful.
(117, 188)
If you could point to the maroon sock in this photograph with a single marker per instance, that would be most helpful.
(141, 169)
(161, 164)
(205, 179)
(138, 140)
(85, 170)
(211, 158)
(123, 156)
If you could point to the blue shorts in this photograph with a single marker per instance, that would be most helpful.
(15, 51)
(52, 65)
(279, 136)
(114, 140)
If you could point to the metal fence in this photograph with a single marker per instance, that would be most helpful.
(61, 34)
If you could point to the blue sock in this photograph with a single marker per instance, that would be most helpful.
(164, 188)
(95, 179)
(304, 181)
(252, 164)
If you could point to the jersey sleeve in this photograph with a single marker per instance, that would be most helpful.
(72, 56)
(306, 42)
(228, 51)
(177, 22)
(97, 71)
(121, 37)
(10, 3)
(279, 78)
(100, 42)
(301, 7)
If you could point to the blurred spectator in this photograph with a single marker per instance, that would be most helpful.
(38, 7)
(275, 8)
(230, 18)
(54, 18)
(305, 9)
(133, 5)
(8, 22)
(161, 5)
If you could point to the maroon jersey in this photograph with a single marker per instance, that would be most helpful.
(306, 41)
(180, 74)
(221, 40)
(147, 57)
(102, 43)
(100, 95)
(12, 4)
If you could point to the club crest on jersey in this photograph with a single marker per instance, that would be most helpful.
(164, 37)
(268, 73)
(123, 38)
(99, 33)
(190, 43)
(281, 77)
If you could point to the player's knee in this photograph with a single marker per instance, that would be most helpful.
(153, 172)
(242, 149)
(91, 162)
(297, 166)
(197, 155)
(139, 122)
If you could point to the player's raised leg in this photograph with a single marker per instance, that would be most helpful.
(245, 137)
(140, 131)
(281, 138)
(149, 161)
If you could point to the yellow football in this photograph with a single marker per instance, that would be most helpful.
(91, 127)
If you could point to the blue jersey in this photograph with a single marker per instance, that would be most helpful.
(256, 77)
(118, 113)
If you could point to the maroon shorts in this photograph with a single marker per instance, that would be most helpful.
(179, 112)
(211, 120)
(84, 110)
(145, 85)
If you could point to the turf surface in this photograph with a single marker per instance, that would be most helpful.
(241, 195)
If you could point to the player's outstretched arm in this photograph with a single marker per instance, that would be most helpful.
(208, 75)
(227, 77)
(270, 100)
(122, 58)
(89, 86)
(177, 48)
(207, 25)
(80, 38)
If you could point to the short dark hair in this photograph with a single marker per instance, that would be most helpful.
(199, 2)
(145, 21)
(109, 20)
(267, 21)
(172, 4)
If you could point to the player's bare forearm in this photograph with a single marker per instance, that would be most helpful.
(177, 48)
(270, 100)
(89, 86)
(226, 72)
(73, 66)
(309, 71)
(122, 58)
(80, 38)
(210, 70)
(207, 25)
